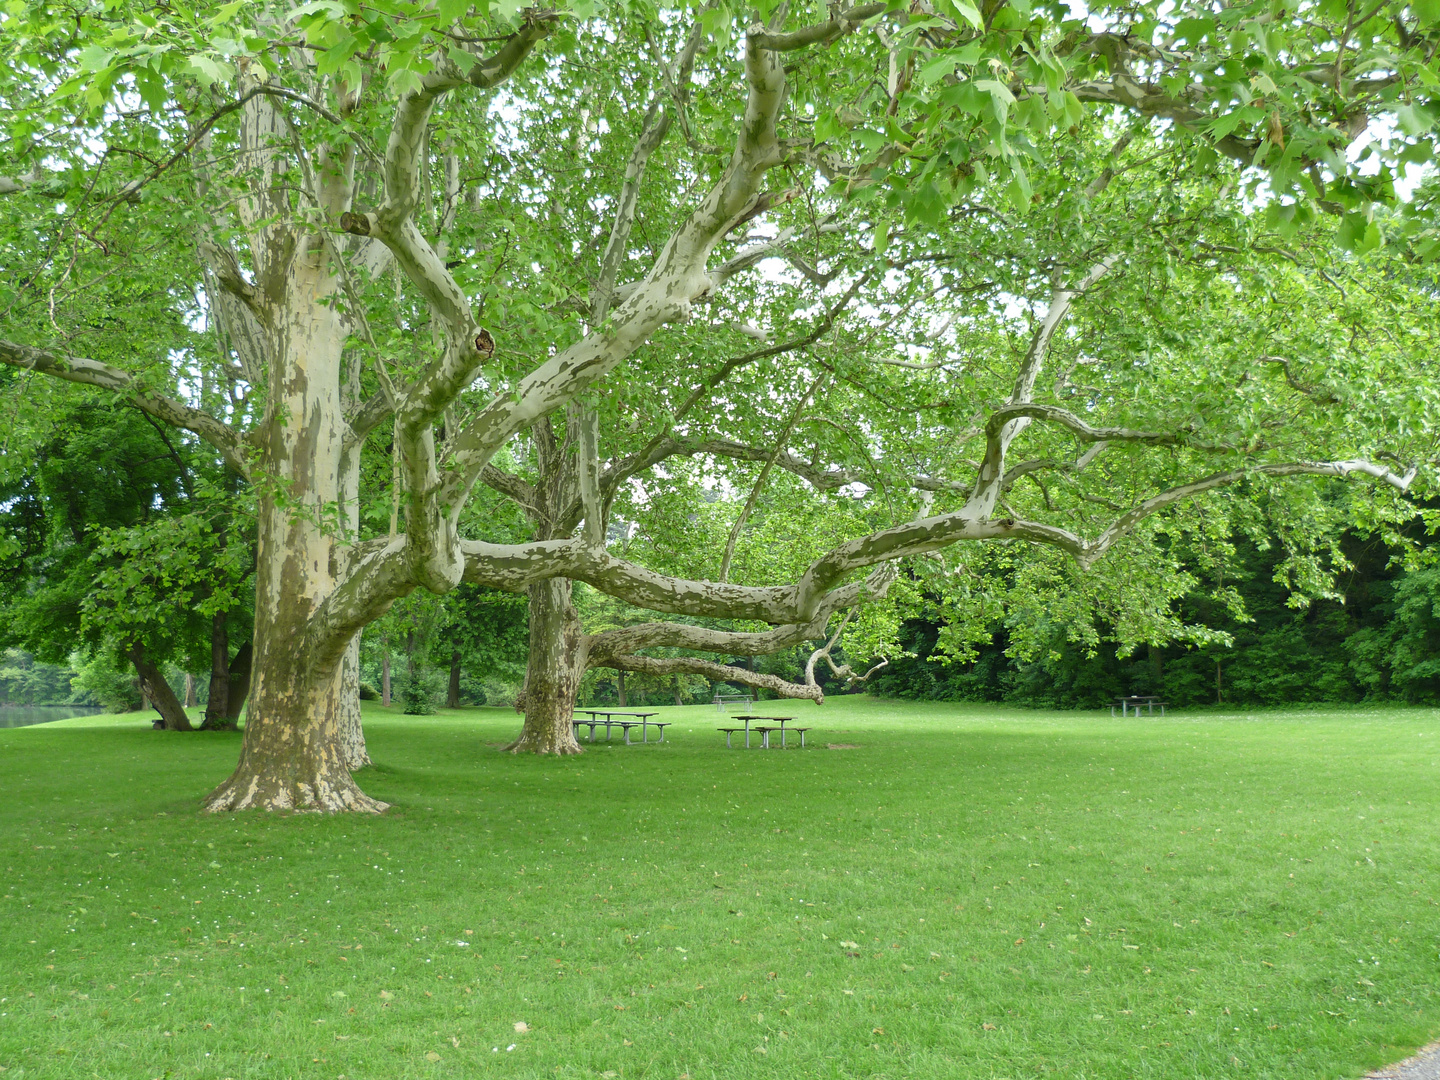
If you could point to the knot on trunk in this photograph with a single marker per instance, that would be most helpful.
(485, 344)
(357, 224)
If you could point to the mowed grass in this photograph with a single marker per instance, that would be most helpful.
(968, 892)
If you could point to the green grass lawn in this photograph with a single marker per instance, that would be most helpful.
(967, 893)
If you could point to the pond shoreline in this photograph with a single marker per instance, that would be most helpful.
(13, 716)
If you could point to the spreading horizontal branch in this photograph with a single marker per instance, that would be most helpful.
(94, 373)
(694, 665)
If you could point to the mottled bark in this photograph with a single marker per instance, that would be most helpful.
(293, 757)
(157, 691)
(552, 678)
(351, 731)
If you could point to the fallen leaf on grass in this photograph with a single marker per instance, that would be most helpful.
(432, 1056)
(521, 1026)
(987, 1027)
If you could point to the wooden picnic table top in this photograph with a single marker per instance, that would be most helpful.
(616, 712)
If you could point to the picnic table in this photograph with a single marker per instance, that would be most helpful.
(773, 723)
(642, 721)
(1150, 701)
(722, 701)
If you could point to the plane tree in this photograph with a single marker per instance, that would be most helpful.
(338, 175)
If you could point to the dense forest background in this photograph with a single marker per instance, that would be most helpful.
(1379, 639)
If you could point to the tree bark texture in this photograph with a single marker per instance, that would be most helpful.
(190, 699)
(452, 694)
(157, 691)
(217, 702)
(352, 733)
(552, 677)
(620, 688)
(385, 673)
(293, 757)
(239, 689)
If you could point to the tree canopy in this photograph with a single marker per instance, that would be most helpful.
(1058, 284)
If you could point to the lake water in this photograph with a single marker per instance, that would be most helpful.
(24, 715)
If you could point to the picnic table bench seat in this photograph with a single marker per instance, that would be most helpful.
(1135, 701)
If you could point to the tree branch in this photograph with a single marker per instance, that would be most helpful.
(819, 33)
(93, 373)
(693, 665)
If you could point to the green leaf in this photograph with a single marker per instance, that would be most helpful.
(828, 126)
(937, 69)
(226, 12)
(447, 11)
(151, 87)
(968, 12)
(95, 58)
(318, 7)
(208, 71)
(1415, 119)
(1355, 232)
(1427, 11)
(1019, 190)
(404, 81)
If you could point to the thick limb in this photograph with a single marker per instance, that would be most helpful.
(94, 373)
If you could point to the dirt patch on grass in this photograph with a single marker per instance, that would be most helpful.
(842, 746)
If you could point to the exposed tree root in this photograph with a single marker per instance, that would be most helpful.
(258, 793)
(541, 744)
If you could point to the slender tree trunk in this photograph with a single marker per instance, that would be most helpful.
(552, 677)
(157, 691)
(452, 696)
(385, 673)
(217, 703)
(292, 756)
(190, 699)
(239, 689)
(679, 700)
(352, 733)
(620, 688)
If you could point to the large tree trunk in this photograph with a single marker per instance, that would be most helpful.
(452, 695)
(552, 678)
(292, 756)
(157, 691)
(217, 703)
